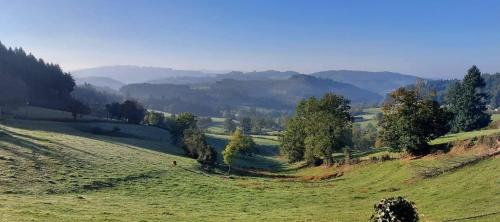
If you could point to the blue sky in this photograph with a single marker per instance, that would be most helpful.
(439, 39)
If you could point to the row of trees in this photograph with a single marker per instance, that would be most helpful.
(186, 134)
(130, 111)
(32, 80)
(411, 119)
(250, 125)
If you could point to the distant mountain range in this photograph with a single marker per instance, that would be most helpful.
(377, 82)
(212, 98)
(135, 74)
(103, 82)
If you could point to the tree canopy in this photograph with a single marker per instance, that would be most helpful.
(468, 103)
(318, 129)
(411, 121)
(45, 83)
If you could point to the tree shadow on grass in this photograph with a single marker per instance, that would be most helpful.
(126, 139)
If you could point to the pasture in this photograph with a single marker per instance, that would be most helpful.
(59, 171)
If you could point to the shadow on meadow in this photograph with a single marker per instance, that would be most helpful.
(129, 135)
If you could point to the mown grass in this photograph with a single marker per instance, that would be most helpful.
(49, 165)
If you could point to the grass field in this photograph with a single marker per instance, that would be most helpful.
(65, 171)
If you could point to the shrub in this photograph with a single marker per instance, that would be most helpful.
(395, 210)
(385, 157)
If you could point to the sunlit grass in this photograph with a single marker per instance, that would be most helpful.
(68, 158)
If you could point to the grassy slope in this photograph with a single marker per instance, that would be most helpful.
(143, 186)
(467, 135)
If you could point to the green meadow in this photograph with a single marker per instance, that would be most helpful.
(69, 171)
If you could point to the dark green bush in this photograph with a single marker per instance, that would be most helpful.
(395, 209)
(385, 157)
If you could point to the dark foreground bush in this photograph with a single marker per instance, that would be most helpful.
(395, 210)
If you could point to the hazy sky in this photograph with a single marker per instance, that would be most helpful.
(433, 38)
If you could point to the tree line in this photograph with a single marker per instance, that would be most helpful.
(25, 79)
(410, 119)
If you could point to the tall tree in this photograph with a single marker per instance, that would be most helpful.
(411, 121)
(468, 103)
(318, 129)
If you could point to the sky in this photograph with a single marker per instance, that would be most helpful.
(434, 39)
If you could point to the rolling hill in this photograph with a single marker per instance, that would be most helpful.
(379, 82)
(60, 171)
(211, 99)
(103, 82)
(135, 74)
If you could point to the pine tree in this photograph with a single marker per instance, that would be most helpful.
(467, 103)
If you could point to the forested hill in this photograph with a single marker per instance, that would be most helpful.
(492, 88)
(135, 74)
(379, 82)
(211, 99)
(24, 78)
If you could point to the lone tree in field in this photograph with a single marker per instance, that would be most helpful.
(77, 108)
(237, 143)
(410, 121)
(318, 129)
(467, 103)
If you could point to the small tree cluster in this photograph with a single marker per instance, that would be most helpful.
(395, 210)
(77, 108)
(130, 111)
(237, 143)
(195, 144)
(154, 118)
(411, 121)
(318, 129)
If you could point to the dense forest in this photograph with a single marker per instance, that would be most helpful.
(26, 79)
(491, 88)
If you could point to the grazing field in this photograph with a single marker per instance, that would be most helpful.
(61, 172)
(493, 129)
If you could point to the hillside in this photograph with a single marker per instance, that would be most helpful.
(379, 82)
(81, 176)
(135, 74)
(211, 99)
(102, 82)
